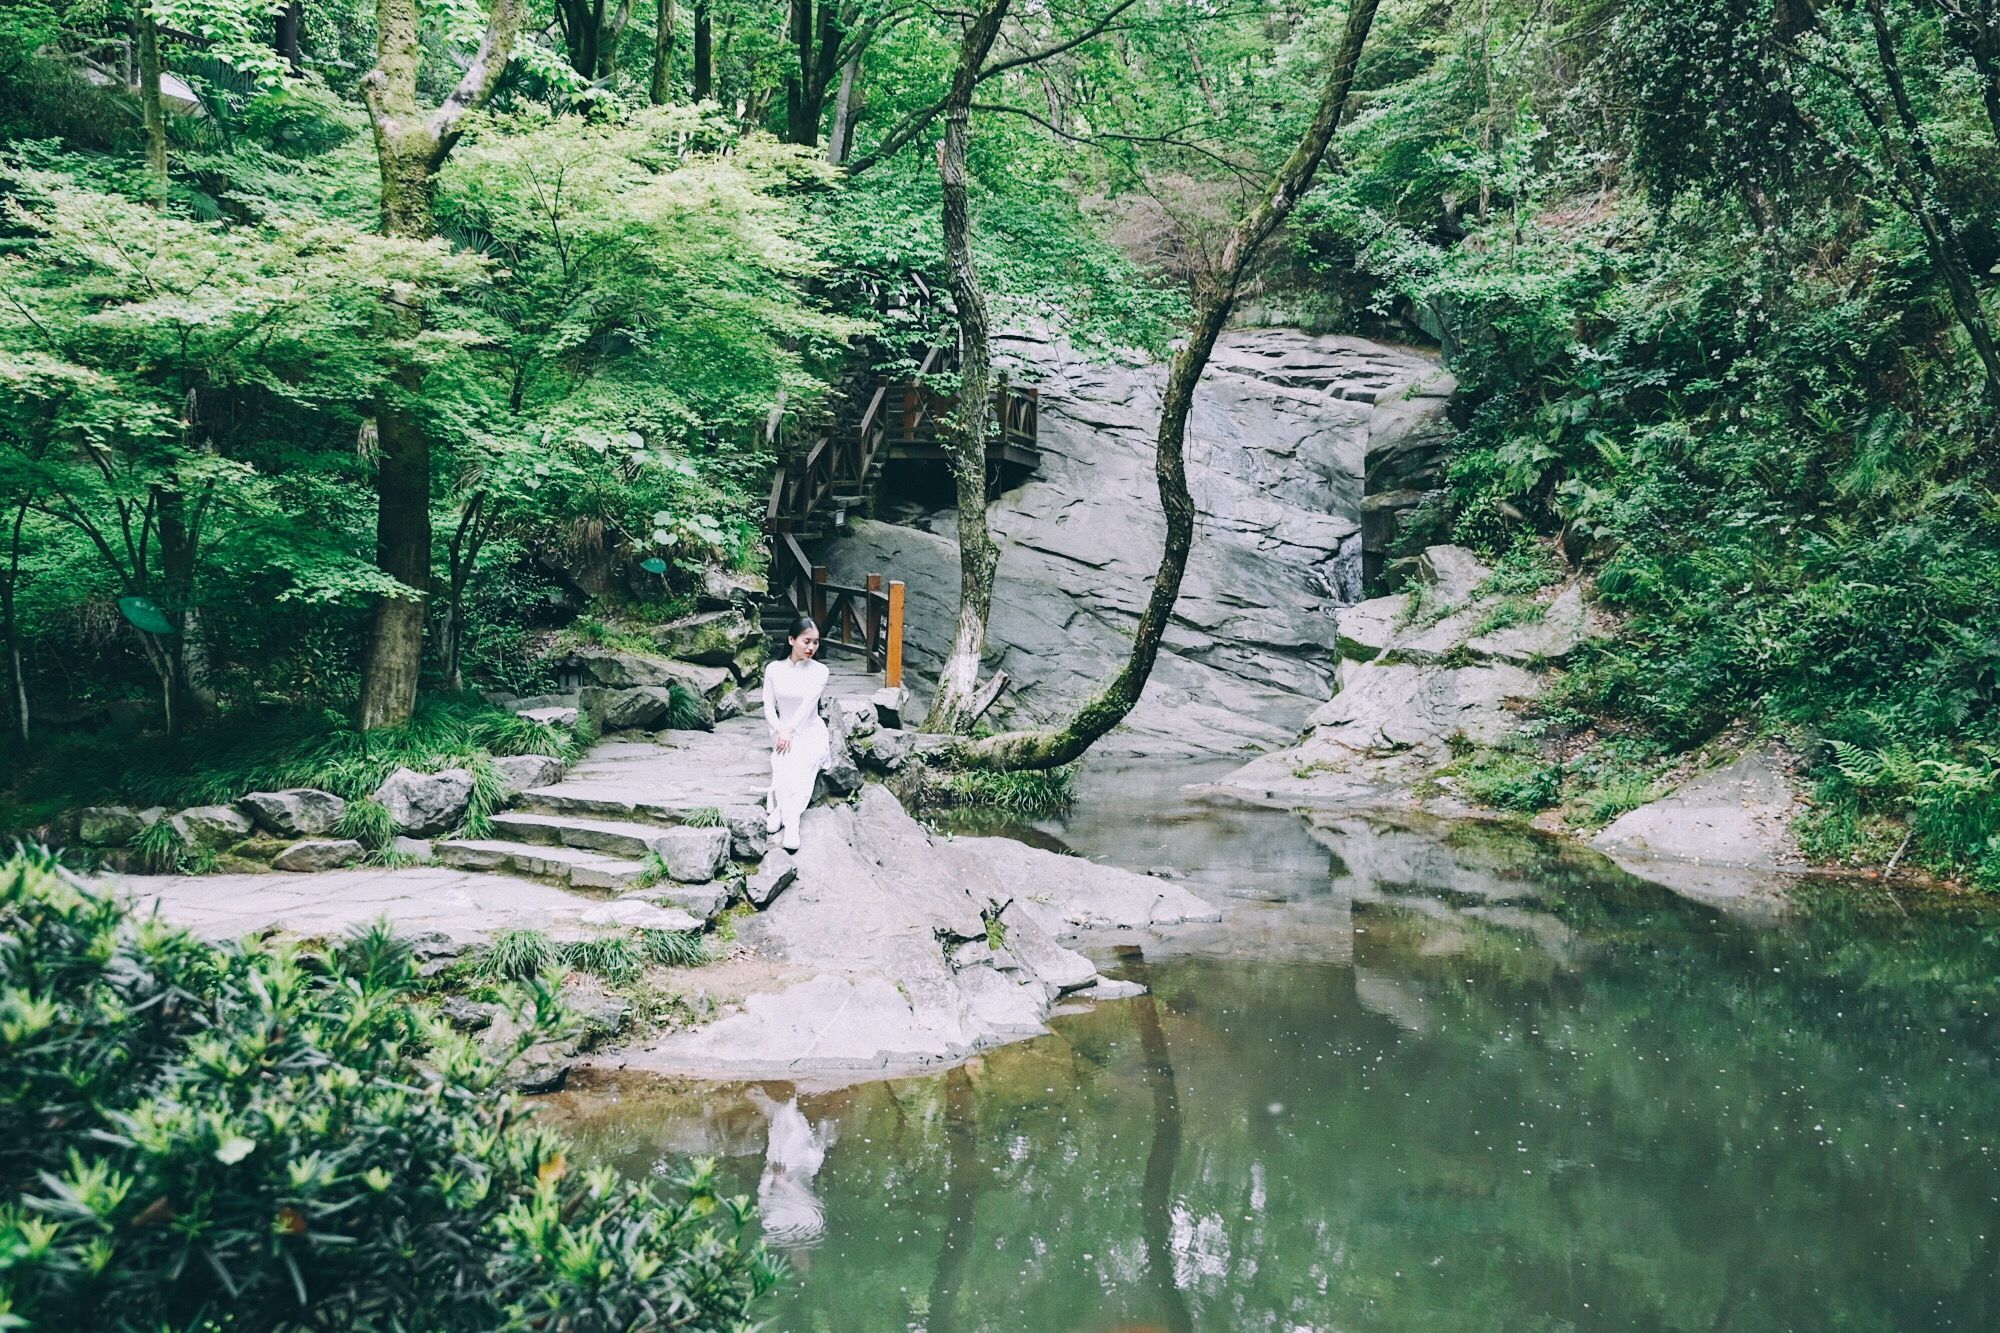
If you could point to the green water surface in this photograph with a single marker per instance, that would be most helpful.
(1419, 1079)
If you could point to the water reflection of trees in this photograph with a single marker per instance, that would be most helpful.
(1541, 1096)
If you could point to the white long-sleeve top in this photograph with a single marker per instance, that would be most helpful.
(791, 695)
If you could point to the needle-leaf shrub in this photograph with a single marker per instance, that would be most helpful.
(254, 1136)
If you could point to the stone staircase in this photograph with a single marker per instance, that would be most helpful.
(681, 811)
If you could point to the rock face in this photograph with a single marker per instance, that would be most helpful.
(889, 937)
(300, 812)
(1280, 433)
(426, 803)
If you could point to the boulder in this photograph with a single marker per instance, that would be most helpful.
(770, 878)
(1366, 628)
(616, 669)
(857, 717)
(422, 803)
(523, 772)
(113, 825)
(297, 812)
(554, 715)
(887, 750)
(692, 855)
(319, 854)
(724, 588)
(1737, 815)
(212, 825)
(1453, 572)
(415, 849)
(839, 773)
(1026, 941)
(1104, 988)
(468, 1015)
(890, 701)
(747, 835)
(639, 708)
(712, 638)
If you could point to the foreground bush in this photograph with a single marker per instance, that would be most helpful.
(259, 1137)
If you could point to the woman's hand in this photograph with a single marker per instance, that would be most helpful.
(782, 740)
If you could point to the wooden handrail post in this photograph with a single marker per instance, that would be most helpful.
(892, 674)
(874, 618)
(819, 596)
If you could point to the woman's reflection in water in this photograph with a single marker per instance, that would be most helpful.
(793, 1216)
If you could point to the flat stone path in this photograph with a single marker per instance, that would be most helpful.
(415, 900)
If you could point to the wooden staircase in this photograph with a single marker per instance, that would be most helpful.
(833, 469)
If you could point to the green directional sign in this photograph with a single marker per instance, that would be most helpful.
(146, 615)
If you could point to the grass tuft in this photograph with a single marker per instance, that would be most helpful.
(1024, 792)
(161, 848)
(674, 948)
(615, 958)
(518, 955)
(368, 822)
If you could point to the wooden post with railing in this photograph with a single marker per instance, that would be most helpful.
(819, 597)
(892, 675)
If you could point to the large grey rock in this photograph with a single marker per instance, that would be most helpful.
(703, 902)
(1737, 815)
(1366, 628)
(692, 855)
(298, 812)
(711, 638)
(113, 825)
(319, 854)
(1453, 573)
(426, 803)
(1276, 445)
(212, 825)
(523, 772)
(890, 704)
(880, 946)
(1067, 894)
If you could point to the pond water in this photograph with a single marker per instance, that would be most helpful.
(1420, 1078)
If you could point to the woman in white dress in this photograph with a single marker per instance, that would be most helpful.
(792, 688)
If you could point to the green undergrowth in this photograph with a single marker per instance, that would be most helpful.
(1589, 789)
(323, 750)
(525, 954)
(1024, 792)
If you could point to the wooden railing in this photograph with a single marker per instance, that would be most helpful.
(906, 416)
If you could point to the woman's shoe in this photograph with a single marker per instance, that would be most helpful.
(791, 841)
(772, 822)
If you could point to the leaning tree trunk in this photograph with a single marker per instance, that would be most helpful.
(846, 106)
(965, 445)
(1214, 300)
(410, 144)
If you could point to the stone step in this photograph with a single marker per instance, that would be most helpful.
(690, 854)
(650, 815)
(584, 871)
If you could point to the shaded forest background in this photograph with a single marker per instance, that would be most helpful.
(1715, 277)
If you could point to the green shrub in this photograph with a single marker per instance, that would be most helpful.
(1507, 779)
(518, 955)
(246, 1136)
(674, 948)
(161, 848)
(1025, 792)
(368, 822)
(706, 816)
(684, 708)
(615, 958)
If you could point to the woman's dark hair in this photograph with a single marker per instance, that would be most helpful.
(800, 626)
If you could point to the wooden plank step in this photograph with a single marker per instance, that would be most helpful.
(588, 872)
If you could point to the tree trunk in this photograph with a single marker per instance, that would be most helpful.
(704, 69)
(20, 679)
(661, 92)
(965, 445)
(1214, 300)
(410, 145)
(151, 105)
(846, 106)
(288, 26)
